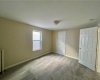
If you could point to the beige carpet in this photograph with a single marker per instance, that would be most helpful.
(50, 67)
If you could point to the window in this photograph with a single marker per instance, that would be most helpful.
(37, 40)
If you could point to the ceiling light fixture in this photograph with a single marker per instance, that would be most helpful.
(91, 19)
(57, 21)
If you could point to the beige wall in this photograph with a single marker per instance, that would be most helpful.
(16, 40)
(55, 35)
(72, 42)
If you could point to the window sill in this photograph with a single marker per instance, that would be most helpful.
(37, 50)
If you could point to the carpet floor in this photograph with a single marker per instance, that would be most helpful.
(50, 67)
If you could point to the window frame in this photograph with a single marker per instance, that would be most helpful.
(37, 40)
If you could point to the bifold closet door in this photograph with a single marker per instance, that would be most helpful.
(87, 47)
(61, 43)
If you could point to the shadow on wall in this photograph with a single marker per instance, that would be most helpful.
(72, 42)
(71, 51)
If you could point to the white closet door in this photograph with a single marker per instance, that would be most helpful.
(88, 44)
(61, 42)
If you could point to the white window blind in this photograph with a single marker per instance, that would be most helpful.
(37, 40)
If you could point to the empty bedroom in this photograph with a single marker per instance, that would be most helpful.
(49, 39)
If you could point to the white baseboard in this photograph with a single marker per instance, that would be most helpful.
(69, 56)
(24, 61)
(72, 57)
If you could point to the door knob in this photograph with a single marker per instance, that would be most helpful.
(80, 48)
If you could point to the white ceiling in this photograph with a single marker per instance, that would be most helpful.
(42, 13)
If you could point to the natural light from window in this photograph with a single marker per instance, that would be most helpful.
(37, 40)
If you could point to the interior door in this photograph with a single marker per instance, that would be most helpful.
(88, 44)
(61, 43)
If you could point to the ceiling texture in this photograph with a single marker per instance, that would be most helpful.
(46, 13)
